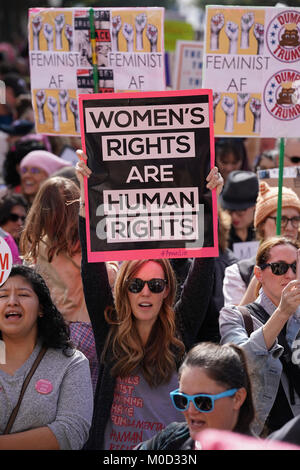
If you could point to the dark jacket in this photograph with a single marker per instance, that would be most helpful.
(190, 311)
(290, 432)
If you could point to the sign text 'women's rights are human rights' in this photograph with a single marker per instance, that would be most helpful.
(150, 154)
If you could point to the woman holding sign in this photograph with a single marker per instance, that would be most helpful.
(267, 330)
(140, 338)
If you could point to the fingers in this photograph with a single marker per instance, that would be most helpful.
(215, 180)
(81, 155)
(81, 167)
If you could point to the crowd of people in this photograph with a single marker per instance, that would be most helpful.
(142, 354)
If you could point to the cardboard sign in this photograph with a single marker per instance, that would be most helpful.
(252, 58)
(129, 54)
(291, 177)
(188, 65)
(150, 154)
(245, 250)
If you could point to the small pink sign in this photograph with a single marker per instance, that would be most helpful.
(43, 386)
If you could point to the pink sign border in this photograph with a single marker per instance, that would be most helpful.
(156, 253)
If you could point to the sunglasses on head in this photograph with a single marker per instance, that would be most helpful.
(202, 402)
(156, 286)
(280, 267)
(15, 217)
(294, 159)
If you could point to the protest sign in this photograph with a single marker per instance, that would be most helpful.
(128, 56)
(149, 154)
(188, 65)
(251, 62)
(245, 250)
(6, 260)
(291, 177)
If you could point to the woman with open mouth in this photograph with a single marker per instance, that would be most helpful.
(46, 397)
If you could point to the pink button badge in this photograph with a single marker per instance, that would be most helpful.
(43, 386)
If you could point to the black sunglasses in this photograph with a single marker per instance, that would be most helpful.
(294, 159)
(15, 217)
(280, 267)
(156, 286)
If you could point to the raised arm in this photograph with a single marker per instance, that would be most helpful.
(191, 309)
(97, 290)
(192, 306)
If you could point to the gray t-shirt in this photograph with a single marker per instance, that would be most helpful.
(139, 412)
(59, 396)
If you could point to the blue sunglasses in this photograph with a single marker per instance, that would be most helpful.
(203, 402)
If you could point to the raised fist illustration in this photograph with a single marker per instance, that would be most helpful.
(36, 29)
(140, 24)
(259, 35)
(53, 107)
(40, 99)
(242, 100)
(216, 24)
(152, 35)
(232, 32)
(49, 36)
(128, 34)
(247, 22)
(115, 29)
(255, 107)
(74, 108)
(59, 24)
(228, 106)
(69, 36)
(63, 97)
(216, 100)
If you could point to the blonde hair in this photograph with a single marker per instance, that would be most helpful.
(157, 358)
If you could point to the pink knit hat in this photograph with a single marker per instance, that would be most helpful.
(267, 201)
(44, 160)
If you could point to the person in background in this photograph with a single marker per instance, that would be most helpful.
(13, 211)
(209, 330)
(292, 152)
(239, 275)
(238, 198)
(266, 330)
(11, 164)
(57, 406)
(230, 156)
(214, 393)
(266, 160)
(35, 168)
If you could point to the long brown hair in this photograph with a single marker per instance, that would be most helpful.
(157, 358)
(53, 218)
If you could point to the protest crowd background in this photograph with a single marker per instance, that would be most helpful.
(147, 354)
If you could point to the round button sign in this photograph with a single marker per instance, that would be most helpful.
(5, 260)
